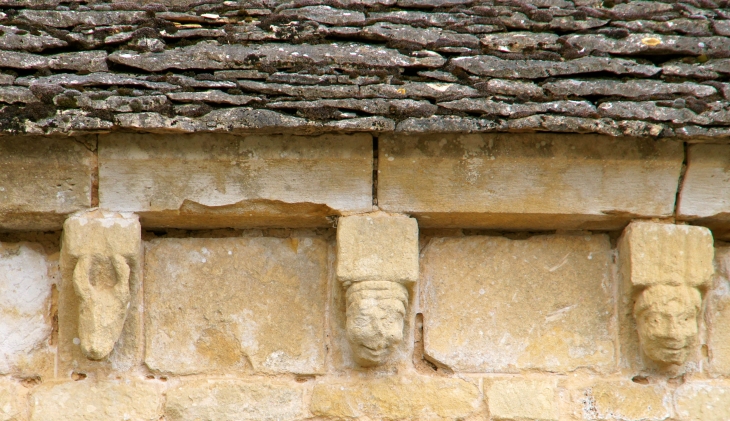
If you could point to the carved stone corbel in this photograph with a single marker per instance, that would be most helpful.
(668, 268)
(377, 263)
(103, 249)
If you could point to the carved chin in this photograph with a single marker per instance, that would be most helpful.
(668, 355)
(367, 357)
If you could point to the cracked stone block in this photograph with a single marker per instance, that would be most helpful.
(527, 181)
(522, 400)
(491, 304)
(718, 314)
(236, 305)
(26, 278)
(235, 400)
(703, 401)
(705, 195)
(42, 180)
(97, 401)
(208, 181)
(397, 397)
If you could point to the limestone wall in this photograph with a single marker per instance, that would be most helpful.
(338, 277)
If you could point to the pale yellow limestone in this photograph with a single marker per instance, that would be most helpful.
(42, 180)
(235, 400)
(718, 314)
(121, 400)
(527, 181)
(523, 400)
(491, 304)
(397, 398)
(209, 181)
(236, 304)
(12, 401)
(703, 402)
(625, 400)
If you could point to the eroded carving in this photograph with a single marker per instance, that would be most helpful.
(103, 249)
(377, 262)
(668, 267)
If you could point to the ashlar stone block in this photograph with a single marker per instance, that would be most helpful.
(527, 181)
(12, 401)
(250, 304)
(122, 400)
(100, 297)
(42, 180)
(397, 398)
(624, 400)
(25, 319)
(703, 401)
(705, 195)
(491, 304)
(718, 314)
(522, 400)
(235, 400)
(665, 269)
(210, 181)
(377, 262)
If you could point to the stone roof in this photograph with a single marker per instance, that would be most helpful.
(638, 68)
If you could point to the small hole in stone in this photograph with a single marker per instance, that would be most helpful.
(78, 376)
(640, 380)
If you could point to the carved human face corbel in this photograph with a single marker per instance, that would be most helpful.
(667, 324)
(102, 285)
(376, 312)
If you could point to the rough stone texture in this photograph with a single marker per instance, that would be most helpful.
(534, 69)
(631, 89)
(42, 180)
(262, 309)
(235, 181)
(397, 397)
(705, 194)
(377, 247)
(622, 400)
(235, 400)
(718, 314)
(12, 405)
(102, 253)
(529, 400)
(25, 299)
(703, 402)
(496, 305)
(469, 180)
(104, 401)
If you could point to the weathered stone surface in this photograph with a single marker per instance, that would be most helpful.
(6, 79)
(691, 27)
(43, 179)
(631, 89)
(512, 88)
(718, 314)
(12, 404)
(25, 298)
(124, 104)
(17, 94)
(529, 400)
(468, 181)
(66, 19)
(420, 90)
(305, 92)
(235, 400)
(363, 124)
(549, 311)
(215, 97)
(648, 110)
(102, 252)
(515, 42)
(679, 69)
(569, 23)
(623, 400)
(262, 310)
(103, 401)
(211, 55)
(401, 107)
(721, 27)
(421, 19)
(396, 397)
(11, 39)
(326, 15)
(535, 69)
(504, 109)
(703, 401)
(446, 124)
(651, 44)
(96, 79)
(705, 193)
(404, 34)
(238, 181)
